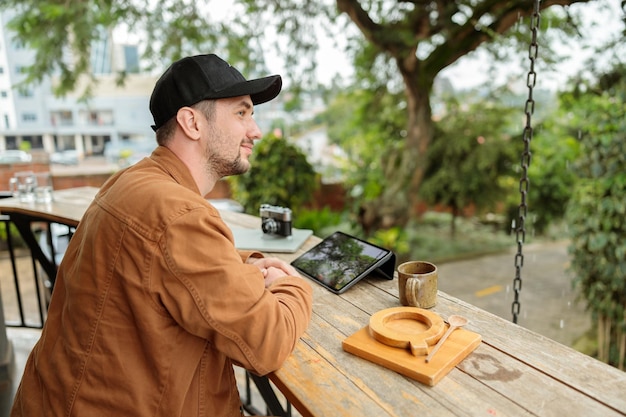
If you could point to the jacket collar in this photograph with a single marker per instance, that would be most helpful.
(176, 168)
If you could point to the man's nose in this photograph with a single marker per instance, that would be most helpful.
(254, 132)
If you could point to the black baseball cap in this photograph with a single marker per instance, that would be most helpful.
(204, 77)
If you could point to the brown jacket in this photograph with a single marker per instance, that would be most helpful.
(152, 306)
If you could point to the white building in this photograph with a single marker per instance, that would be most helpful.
(50, 124)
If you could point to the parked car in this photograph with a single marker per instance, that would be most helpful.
(127, 152)
(68, 157)
(10, 156)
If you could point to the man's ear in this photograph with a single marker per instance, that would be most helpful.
(188, 121)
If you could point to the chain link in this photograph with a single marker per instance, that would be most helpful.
(524, 183)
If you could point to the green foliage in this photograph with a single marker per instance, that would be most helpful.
(3, 232)
(596, 215)
(397, 58)
(427, 239)
(173, 29)
(280, 175)
(25, 146)
(63, 36)
(16, 238)
(370, 143)
(471, 153)
(552, 178)
(394, 238)
(323, 221)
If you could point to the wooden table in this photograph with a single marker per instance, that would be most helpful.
(513, 372)
(67, 208)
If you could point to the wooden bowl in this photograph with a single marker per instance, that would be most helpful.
(404, 327)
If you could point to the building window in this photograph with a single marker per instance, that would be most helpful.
(4, 94)
(1, 70)
(95, 117)
(131, 57)
(25, 92)
(36, 142)
(17, 44)
(29, 117)
(11, 142)
(61, 118)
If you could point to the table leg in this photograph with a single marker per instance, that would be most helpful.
(274, 406)
(24, 226)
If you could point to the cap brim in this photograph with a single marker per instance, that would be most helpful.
(260, 90)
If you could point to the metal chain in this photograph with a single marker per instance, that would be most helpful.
(520, 226)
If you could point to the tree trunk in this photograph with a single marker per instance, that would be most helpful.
(621, 337)
(604, 338)
(455, 214)
(404, 169)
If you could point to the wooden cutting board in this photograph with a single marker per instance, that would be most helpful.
(403, 360)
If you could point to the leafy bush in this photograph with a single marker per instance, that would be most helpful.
(323, 222)
(280, 175)
(16, 238)
(470, 158)
(595, 216)
(394, 238)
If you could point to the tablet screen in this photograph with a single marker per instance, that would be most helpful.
(340, 260)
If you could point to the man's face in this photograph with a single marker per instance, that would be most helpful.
(230, 137)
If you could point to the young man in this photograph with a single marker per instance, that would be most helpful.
(153, 304)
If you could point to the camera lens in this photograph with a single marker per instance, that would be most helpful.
(269, 226)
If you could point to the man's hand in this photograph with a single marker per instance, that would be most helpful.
(273, 268)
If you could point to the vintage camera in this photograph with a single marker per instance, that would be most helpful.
(275, 220)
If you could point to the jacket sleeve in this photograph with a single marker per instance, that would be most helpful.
(212, 293)
(247, 254)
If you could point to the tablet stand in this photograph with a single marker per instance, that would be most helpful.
(387, 268)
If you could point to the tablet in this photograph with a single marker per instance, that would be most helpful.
(340, 261)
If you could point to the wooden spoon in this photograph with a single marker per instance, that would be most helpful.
(454, 321)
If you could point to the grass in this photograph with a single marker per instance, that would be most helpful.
(430, 238)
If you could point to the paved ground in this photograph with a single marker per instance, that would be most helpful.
(549, 305)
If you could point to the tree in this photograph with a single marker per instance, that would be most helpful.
(597, 209)
(555, 147)
(471, 152)
(368, 162)
(63, 34)
(415, 40)
(402, 44)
